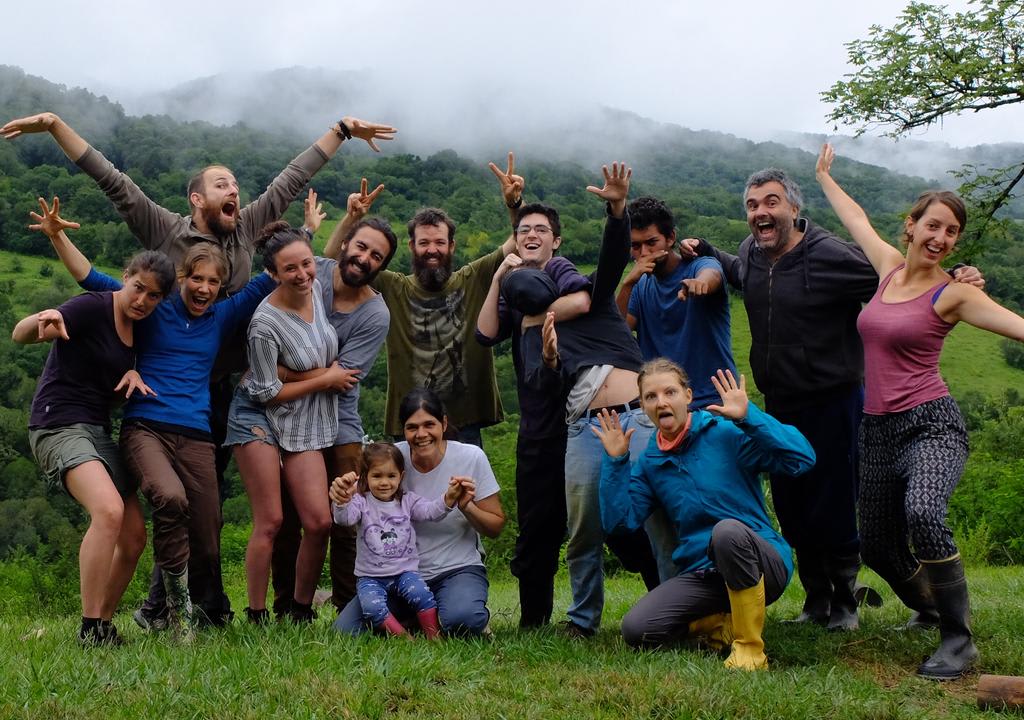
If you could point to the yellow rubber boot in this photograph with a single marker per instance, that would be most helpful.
(713, 631)
(747, 624)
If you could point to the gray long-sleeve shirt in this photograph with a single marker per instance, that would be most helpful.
(157, 228)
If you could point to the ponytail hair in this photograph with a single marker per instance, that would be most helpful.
(275, 237)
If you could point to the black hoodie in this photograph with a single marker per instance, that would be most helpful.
(803, 315)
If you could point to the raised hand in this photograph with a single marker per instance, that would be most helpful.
(734, 397)
(359, 202)
(823, 168)
(692, 286)
(369, 131)
(616, 442)
(616, 186)
(343, 488)
(511, 184)
(132, 381)
(50, 223)
(26, 125)
(549, 346)
(314, 211)
(46, 318)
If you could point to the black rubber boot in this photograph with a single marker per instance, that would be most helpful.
(810, 566)
(842, 573)
(915, 593)
(957, 651)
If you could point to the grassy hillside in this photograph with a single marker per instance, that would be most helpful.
(285, 672)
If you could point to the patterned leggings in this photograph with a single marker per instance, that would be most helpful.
(910, 462)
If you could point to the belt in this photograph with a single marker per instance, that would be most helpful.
(623, 408)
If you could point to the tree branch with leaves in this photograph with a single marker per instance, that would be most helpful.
(931, 64)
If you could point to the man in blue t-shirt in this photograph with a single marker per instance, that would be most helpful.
(679, 308)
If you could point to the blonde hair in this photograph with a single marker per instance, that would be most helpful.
(204, 252)
(658, 366)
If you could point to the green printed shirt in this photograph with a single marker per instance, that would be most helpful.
(432, 343)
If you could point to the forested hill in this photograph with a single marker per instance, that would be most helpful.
(700, 173)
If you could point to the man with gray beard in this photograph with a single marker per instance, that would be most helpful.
(434, 309)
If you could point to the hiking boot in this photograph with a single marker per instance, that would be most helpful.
(148, 621)
(574, 631)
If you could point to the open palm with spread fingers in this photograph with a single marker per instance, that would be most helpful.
(50, 223)
(734, 396)
(616, 187)
(616, 442)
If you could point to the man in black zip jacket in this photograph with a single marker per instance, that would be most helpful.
(803, 288)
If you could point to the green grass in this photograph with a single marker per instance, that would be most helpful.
(245, 672)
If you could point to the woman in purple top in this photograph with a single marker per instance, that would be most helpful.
(387, 562)
(69, 426)
(913, 441)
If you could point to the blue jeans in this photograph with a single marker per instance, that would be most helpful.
(373, 593)
(461, 597)
(585, 552)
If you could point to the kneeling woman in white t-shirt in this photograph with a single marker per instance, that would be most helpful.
(451, 557)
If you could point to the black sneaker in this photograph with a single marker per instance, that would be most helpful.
(109, 635)
(576, 632)
(301, 614)
(257, 617)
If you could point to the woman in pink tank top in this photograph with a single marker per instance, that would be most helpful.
(913, 444)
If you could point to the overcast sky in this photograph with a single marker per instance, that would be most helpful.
(748, 68)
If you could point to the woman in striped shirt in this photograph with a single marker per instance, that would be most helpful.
(280, 420)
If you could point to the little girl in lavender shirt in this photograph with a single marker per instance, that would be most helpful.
(387, 562)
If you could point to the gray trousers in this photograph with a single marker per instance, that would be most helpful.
(740, 556)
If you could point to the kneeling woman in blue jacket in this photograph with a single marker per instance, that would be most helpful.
(703, 467)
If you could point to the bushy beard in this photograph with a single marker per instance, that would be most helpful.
(432, 278)
(216, 222)
(353, 279)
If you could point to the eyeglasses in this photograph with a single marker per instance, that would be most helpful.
(541, 230)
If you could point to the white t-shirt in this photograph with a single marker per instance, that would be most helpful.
(450, 543)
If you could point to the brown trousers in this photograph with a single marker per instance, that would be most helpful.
(339, 460)
(177, 475)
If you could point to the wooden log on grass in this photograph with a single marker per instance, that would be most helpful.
(1000, 692)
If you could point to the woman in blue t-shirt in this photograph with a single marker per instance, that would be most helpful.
(93, 351)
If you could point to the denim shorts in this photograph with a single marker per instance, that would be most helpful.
(247, 422)
(60, 449)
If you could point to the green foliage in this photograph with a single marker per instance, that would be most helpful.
(1013, 353)
(934, 63)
